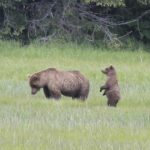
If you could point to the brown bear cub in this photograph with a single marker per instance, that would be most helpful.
(111, 87)
(56, 83)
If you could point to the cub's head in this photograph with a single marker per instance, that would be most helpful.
(109, 71)
(34, 83)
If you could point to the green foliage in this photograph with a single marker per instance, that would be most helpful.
(144, 2)
(114, 3)
(71, 20)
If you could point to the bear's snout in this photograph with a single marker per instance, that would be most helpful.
(34, 91)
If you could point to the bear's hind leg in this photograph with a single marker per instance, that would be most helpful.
(76, 95)
(112, 103)
(84, 94)
(56, 94)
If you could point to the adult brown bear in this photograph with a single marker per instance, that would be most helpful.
(111, 87)
(56, 83)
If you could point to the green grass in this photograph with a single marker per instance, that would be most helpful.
(34, 123)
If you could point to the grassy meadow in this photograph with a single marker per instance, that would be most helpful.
(34, 123)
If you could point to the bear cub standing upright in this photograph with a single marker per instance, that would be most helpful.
(111, 87)
(56, 83)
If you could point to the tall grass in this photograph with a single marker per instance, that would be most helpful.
(34, 123)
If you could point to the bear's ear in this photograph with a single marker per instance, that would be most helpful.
(35, 77)
(111, 67)
(29, 76)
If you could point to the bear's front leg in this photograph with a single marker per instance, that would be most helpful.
(104, 92)
(102, 88)
(46, 92)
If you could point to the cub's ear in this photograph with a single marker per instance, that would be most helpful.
(111, 67)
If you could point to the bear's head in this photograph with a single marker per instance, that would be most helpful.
(109, 71)
(34, 83)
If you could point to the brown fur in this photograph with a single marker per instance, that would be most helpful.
(56, 83)
(111, 87)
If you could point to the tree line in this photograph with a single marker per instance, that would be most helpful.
(107, 21)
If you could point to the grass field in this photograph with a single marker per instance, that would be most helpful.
(34, 123)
